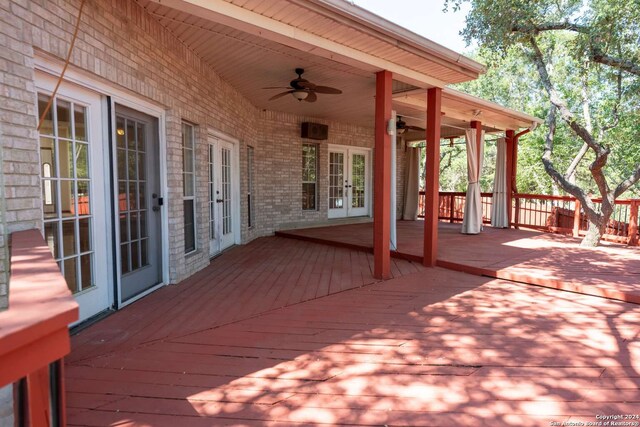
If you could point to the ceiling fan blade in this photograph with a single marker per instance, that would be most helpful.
(415, 128)
(327, 90)
(280, 95)
(305, 84)
(312, 97)
(277, 87)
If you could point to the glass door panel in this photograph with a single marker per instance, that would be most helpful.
(73, 189)
(337, 184)
(348, 182)
(358, 183)
(221, 196)
(65, 191)
(138, 204)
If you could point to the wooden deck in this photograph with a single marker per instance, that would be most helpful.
(550, 260)
(430, 347)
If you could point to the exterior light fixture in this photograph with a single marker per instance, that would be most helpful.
(300, 94)
(120, 131)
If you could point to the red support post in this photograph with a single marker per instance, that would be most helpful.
(382, 179)
(432, 184)
(38, 405)
(511, 175)
(633, 224)
(452, 208)
(514, 162)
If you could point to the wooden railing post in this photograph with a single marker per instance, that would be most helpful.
(576, 219)
(452, 208)
(633, 224)
(39, 411)
(516, 219)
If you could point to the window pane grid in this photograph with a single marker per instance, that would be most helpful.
(226, 191)
(188, 176)
(358, 181)
(212, 193)
(336, 180)
(250, 198)
(65, 178)
(309, 176)
(132, 204)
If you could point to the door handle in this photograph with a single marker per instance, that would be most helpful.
(219, 200)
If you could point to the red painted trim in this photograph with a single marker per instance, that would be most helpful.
(432, 181)
(382, 178)
(38, 409)
(34, 328)
(62, 395)
(633, 224)
(511, 175)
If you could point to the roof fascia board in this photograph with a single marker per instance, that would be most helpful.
(417, 104)
(236, 17)
(483, 103)
(394, 34)
(408, 98)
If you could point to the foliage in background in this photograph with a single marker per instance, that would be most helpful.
(577, 63)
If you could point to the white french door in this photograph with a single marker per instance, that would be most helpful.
(349, 181)
(74, 190)
(223, 217)
(138, 203)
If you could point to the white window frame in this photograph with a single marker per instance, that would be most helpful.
(191, 151)
(251, 212)
(316, 148)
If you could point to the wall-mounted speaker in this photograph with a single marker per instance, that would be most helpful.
(314, 131)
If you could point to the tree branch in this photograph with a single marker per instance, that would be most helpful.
(616, 113)
(571, 170)
(598, 56)
(556, 100)
(557, 177)
(602, 153)
(550, 26)
(627, 183)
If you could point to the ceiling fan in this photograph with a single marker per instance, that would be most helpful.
(402, 126)
(303, 89)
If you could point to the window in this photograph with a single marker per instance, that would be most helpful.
(67, 202)
(250, 209)
(189, 184)
(309, 177)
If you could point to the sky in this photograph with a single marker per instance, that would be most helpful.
(424, 17)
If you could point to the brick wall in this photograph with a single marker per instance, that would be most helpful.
(121, 45)
(279, 157)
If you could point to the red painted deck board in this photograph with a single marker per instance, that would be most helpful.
(264, 275)
(611, 271)
(432, 347)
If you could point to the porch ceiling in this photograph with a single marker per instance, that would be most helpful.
(249, 59)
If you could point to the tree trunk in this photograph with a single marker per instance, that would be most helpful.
(597, 228)
(594, 234)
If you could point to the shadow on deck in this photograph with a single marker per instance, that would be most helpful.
(434, 347)
(550, 260)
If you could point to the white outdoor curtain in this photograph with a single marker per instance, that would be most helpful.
(472, 221)
(499, 208)
(412, 185)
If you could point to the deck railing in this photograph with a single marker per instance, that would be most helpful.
(34, 335)
(552, 214)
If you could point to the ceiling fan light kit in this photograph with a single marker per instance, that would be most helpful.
(300, 95)
(303, 90)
